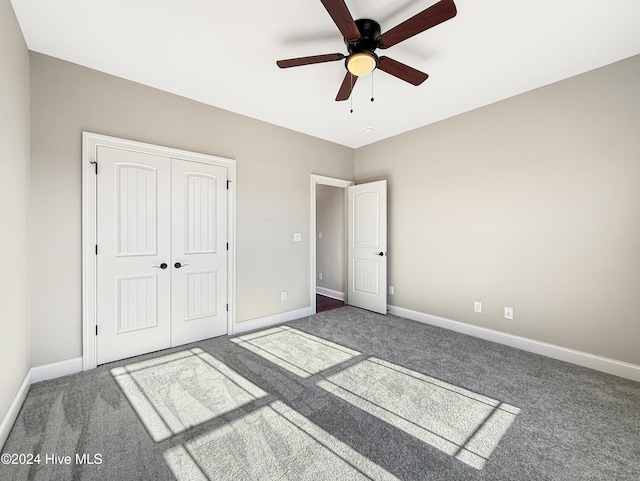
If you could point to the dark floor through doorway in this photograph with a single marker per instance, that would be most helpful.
(324, 303)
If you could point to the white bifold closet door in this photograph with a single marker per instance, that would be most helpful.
(161, 255)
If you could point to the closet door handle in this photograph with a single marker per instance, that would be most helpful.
(162, 266)
(380, 254)
(177, 265)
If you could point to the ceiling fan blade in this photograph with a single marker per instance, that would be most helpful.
(347, 86)
(402, 71)
(432, 16)
(342, 18)
(296, 62)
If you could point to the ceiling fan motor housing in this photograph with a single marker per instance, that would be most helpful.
(368, 41)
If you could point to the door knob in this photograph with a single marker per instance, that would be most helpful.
(161, 266)
(177, 265)
(380, 254)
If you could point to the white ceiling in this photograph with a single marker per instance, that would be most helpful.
(224, 54)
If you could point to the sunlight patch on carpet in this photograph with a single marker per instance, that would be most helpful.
(178, 391)
(273, 442)
(296, 351)
(459, 422)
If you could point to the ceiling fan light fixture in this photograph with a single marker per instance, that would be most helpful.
(362, 63)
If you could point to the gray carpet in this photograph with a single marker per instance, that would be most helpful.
(345, 394)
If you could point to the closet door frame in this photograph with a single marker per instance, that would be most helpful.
(90, 144)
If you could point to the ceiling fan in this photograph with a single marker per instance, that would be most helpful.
(363, 37)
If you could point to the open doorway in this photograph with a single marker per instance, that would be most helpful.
(330, 248)
(328, 242)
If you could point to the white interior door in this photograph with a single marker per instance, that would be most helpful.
(367, 246)
(133, 233)
(199, 251)
(161, 252)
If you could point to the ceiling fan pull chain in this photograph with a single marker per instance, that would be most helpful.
(351, 96)
(372, 86)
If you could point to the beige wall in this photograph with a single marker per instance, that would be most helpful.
(532, 202)
(14, 207)
(330, 260)
(273, 168)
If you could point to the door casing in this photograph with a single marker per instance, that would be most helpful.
(90, 143)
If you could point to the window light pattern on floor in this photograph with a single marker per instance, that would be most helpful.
(272, 442)
(174, 393)
(178, 391)
(454, 420)
(300, 353)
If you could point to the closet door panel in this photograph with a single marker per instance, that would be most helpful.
(199, 251)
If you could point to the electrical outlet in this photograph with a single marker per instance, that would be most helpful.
(477, 306)
(283, 296)
(508, 312)
(319, 235)
(392, 290)
(320, 275)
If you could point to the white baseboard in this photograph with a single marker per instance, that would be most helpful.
(56, 369)
(267, 321)
(35, 374)
(323, 291)
(12, 413)
(592, 361)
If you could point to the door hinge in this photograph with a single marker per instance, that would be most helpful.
(228, 182)
(227, 246)
(95, 165)
(227, 307)
(96, 329)
(96, 249)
